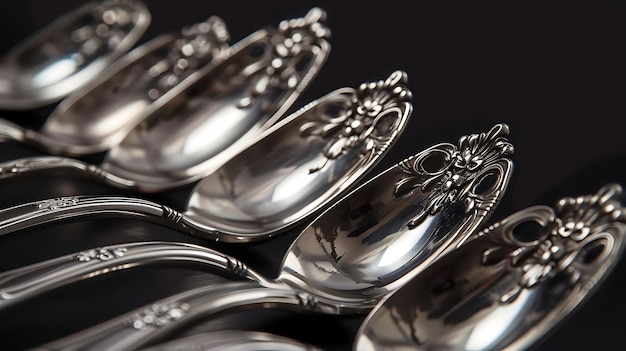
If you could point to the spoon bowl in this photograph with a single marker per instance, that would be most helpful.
(510, 284)
(213, 114)
(100, 114)
(314, 153)
(349, 258)
(69, 52)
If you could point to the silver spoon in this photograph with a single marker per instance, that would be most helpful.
(101, 113)
(69, 52)
(296, 167)
(504, 289)
(173, 139)
(234, 95)
(509, 286)
(357, 251)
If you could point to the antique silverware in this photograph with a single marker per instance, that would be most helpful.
(172, 99)
(101, 113)
(507, 287)
(69, 52)
(357, 251)
(299, 165)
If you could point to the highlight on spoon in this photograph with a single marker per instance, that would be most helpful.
(166, 124)
(354, 253)
(100, 114)
(510, 284)
(285, 175)
(69, 52)
(387, 230)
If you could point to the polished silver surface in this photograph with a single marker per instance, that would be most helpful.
(234, 340)
(295, 168)
(195, 126)
(26, 282)
(508, 286)
(69, 52)
(100, 114)
(357, 251)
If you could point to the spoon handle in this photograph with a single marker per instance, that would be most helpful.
(151, 324)
(37, 164)
(37, 213)
(11, 132)
(26, 282)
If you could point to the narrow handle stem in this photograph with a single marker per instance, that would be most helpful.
(40, 164)
(151, 324)
(29, 281)
(14, 133)
(37, 213)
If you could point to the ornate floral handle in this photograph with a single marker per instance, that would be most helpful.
(37, 213)
(26, 282)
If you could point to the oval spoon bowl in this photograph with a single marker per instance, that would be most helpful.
(508, 286)
(69, 52)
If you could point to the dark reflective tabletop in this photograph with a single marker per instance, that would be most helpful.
(553, 71)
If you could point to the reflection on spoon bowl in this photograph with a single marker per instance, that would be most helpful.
(215, 113)
(354, 253)
(69, 52)
(100, 114)
(290, 171)
(507, 287)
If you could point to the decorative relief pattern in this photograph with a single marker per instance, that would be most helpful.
(53, 204)
(197, 46)
(237, 267)
(112, 20)
(102, 254)
(292, 41)
(576, 224)
(361, 123)
(159, 314)
(449, 174)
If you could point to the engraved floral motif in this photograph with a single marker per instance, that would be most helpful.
(159, 314)
(112, 19)
(197, 45)
(362, 122)
(53, 204)
(577, 223)
(102, 254)
(457, 171)
(292, 41)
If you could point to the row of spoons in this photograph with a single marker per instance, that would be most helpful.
(427, 167)
(426, 277)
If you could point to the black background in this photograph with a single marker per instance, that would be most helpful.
(552, 70)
